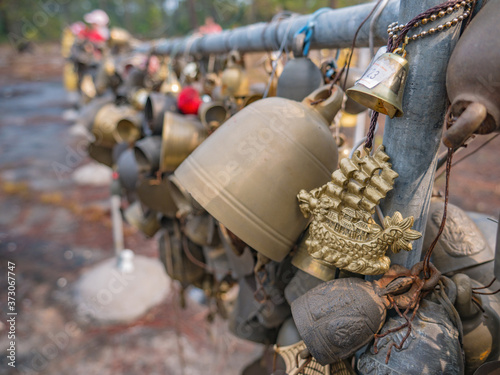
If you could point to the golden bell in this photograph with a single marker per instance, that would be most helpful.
(146, 222)
(382, 86)
(213, 114)
(156, 195)
(248, 172)
(115, 124)
(181, 135)
(234, 78)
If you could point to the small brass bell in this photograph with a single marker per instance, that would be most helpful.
(234, 78)
(300, 76)
(382, 85)
(213, 114)
(156, 195)
(181, 135)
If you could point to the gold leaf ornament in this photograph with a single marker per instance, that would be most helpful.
(342, 232)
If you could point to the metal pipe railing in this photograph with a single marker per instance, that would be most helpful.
(333, 29)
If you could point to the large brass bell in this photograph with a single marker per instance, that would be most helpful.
(248, 173)
(300, 76)
(382, 86)
(180, 136)
(473, 77)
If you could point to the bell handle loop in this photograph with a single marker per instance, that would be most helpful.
(400, 51)
(468, 122)
(298, 45)
(327, 103)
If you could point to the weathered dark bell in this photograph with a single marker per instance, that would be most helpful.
(154, 110)
(147, 154)
(338, 317)
(300, 76)
(472, 78)
(432, 347)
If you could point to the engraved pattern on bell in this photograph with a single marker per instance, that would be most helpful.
(342, 231)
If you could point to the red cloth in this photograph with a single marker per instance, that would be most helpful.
(92, 35)
(189, 101)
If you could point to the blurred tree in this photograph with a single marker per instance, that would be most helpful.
(44, 19)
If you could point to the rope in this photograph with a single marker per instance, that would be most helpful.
(308, 29)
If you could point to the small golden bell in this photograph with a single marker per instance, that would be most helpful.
(382, 85)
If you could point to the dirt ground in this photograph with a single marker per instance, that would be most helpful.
(54, 229)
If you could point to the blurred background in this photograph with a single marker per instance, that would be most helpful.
(55, 221)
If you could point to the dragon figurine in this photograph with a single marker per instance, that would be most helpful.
(342, 232)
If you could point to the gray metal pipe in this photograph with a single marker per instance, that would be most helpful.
(412, 141)
(333, 29)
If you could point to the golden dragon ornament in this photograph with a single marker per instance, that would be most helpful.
(342, 232)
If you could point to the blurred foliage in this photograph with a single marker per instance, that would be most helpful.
(23, 20)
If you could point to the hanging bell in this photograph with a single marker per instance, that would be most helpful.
(171, 85)
(474, 95)
(432, 347)
(127, 169)
(172, 249)
(300, 76)
(382, 85)
(213, 115)
(115, 124)
(461, 244)
(155, 194)
(147, 154)
(234, 78)
(248, 172)
(313, 266)
(480, 328)
(145, 221)
(154, 110)
(180, 136)
(101, 154)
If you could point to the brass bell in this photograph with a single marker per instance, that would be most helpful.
(300, 76)
(147, 154)
(156, 195)
(213, 114)
(180, 136)
(249, 171)
(115, 124)
(234, 78)
(472, 78)
(89, 111)
(154, 110)
(315, 267)
(382, 85)
(145, 221)
(101, 154)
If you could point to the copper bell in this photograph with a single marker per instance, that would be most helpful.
(472, 78)
(300, 76)
(248, 173)
(180, 136)
(382, 85)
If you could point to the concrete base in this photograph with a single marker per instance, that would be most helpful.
(107, 295)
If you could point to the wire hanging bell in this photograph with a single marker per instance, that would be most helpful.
(382, 85)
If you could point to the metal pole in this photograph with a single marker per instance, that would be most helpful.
(412, 141)
(333, 29)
